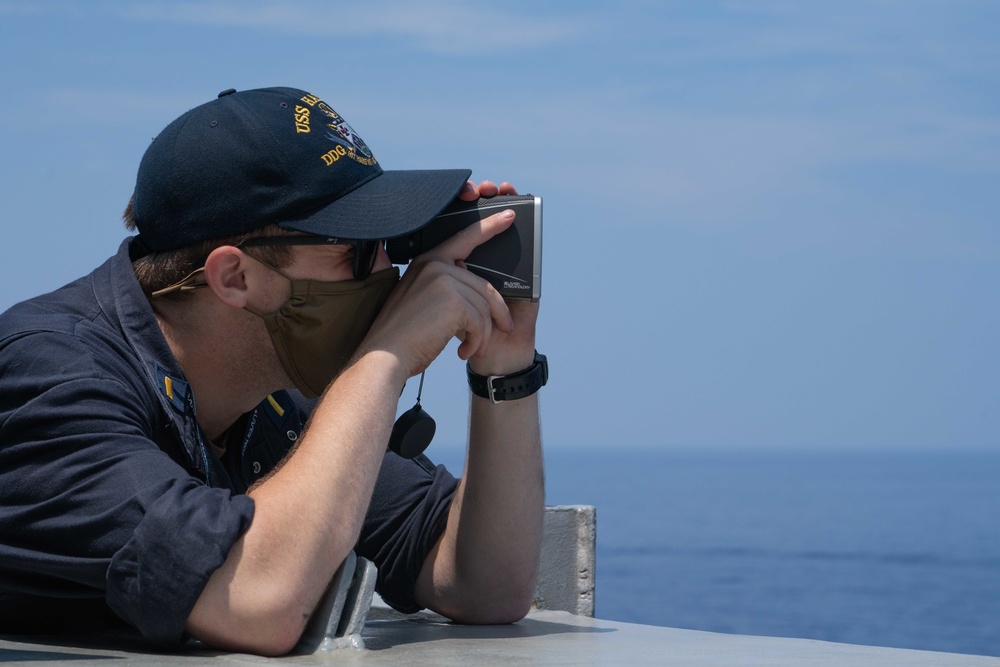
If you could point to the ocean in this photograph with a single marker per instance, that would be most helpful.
(890, 549)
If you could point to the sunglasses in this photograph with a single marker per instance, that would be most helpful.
(365, 252)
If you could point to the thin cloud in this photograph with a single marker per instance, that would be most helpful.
(439, 27)
(789, 36)
(37, 8)
(720, 168)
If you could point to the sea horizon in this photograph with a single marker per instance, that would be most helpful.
(886, 548)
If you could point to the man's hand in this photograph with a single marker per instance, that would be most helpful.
(438, 299)
(507, 351)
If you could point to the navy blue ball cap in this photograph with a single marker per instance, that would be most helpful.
(276, 156)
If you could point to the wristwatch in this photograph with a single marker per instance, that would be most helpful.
(510, 387)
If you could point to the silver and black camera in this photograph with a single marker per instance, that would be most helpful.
(511, 261)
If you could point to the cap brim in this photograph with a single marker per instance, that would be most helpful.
(391, 204)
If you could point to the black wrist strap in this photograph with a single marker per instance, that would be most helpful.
(510, 387)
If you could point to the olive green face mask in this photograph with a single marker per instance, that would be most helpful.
(322, 324)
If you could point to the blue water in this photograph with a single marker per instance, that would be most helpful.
(899, 549)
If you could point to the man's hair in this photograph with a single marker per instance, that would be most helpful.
(162, 269)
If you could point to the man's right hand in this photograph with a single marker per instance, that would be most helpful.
(437, 299)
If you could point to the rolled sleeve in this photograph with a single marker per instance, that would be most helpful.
(92, 506)
(408, 513)
(183, 536)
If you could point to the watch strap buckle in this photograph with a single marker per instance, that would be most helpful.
(524, 383)
(491, 391)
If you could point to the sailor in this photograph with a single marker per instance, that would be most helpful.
(193, 436)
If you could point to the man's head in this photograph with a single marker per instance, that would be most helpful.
(224, 187)
(261, 163)
(275, 156)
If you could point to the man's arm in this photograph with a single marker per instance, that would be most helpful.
(484, 566)
(307, 517)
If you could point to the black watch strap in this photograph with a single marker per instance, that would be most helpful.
(510, 387)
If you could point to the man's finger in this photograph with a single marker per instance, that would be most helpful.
(470, 192)
(461, 245)
(488, 189)
(469, 284)
(490, 302)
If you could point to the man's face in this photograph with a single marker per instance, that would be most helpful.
(314, 334)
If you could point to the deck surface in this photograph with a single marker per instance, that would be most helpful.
(543, 638)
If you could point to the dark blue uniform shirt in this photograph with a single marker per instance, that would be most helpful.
(113, 506)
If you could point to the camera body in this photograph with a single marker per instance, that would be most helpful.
(511, 261)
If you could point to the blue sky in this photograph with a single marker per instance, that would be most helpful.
(768, 224)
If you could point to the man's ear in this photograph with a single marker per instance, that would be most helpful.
(226, 273)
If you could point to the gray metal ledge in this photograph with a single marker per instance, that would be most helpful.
(543, 638)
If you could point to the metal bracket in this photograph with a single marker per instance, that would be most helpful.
(340, 615)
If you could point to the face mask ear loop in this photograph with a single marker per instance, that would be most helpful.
(183, 285)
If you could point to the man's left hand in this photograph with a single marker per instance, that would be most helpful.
(514, 351)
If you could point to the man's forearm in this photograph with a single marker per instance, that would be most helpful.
(484, 567)
(307, 517)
